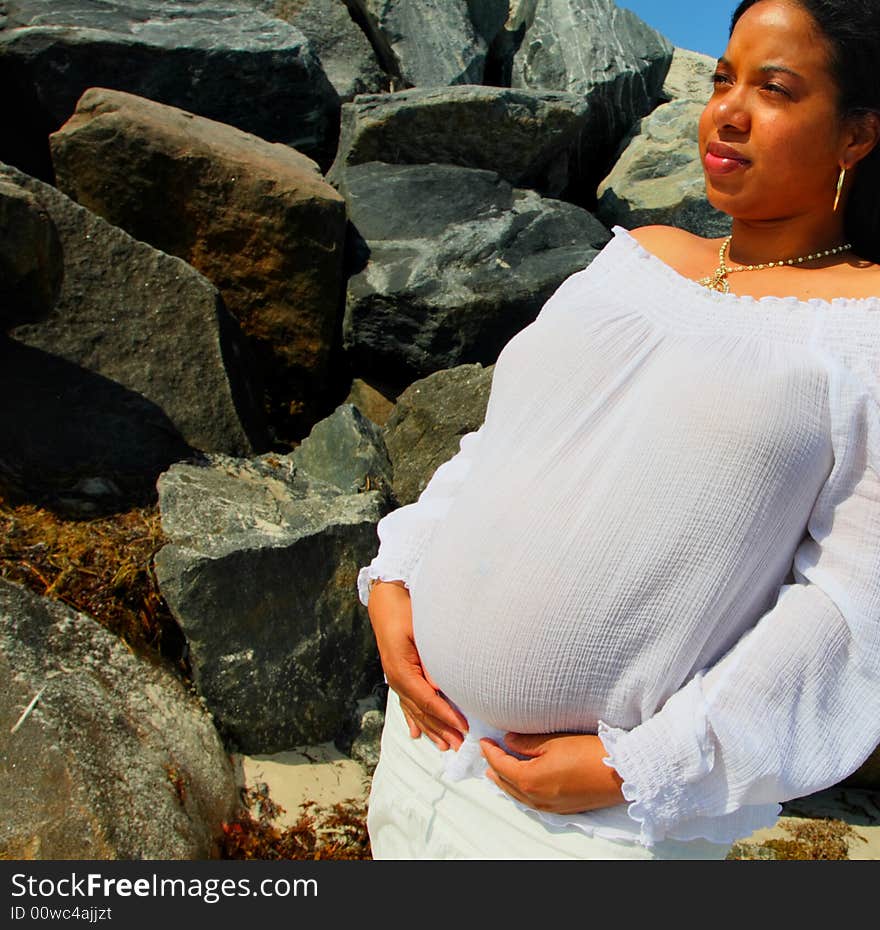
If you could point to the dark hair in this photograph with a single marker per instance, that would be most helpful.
(852, 30)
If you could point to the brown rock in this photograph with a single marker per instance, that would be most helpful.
(256, 218)
(31, 263)
(371, 402)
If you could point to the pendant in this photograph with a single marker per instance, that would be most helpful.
(716, 282)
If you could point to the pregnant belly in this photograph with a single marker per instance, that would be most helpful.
(549, 630)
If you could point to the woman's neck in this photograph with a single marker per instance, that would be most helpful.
(769, 241)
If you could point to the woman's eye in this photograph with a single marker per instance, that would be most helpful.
(777, 89)
(718, 78)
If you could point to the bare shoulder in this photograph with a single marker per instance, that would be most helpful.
(682, 250)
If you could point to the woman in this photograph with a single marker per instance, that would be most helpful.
(641, 606)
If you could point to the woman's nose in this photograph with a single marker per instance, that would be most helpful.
(731, 111)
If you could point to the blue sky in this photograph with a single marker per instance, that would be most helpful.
(700, 25)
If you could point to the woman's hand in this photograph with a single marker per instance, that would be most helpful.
(564, 773)
(425, 710)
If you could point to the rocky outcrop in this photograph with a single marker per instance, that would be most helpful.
(345, 450)
(428, 421)
(31, 262)
(536, 138)
(658, 177)
(260, 572)
(432, 42)
(689, 76)
(344, 51)
(371, 402)
(216, 58)
(138, 364)
(457, 262)
(104, 755)
(255, 218)
(597, 50)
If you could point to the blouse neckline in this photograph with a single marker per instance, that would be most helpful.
(771, 301)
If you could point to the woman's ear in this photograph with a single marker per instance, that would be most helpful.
(863, 134)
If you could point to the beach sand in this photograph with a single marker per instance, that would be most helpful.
(326, 776)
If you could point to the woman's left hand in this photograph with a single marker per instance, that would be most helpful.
(564, 773)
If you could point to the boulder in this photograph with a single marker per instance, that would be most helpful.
(260, 572)
(255, 218)
(431, 42)
(31, 263)
(345, 450)
(597, 50)
(659, 178)
(105, 755)
(536, 138)
(457, 262)
(216, 58)
(137, 365)
(428, 421)
(689, 76)
(370, 400)
(344, 51)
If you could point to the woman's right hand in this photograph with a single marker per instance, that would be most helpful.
(425, 709)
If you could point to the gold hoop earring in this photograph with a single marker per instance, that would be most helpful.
(840, 178)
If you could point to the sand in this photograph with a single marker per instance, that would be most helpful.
(324, 775)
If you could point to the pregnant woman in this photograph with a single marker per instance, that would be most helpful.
(641, 606)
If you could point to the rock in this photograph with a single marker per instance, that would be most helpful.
(216, 58)
(344, 51)
(260, 572)
(659, 178)
(689, 76)
(137, 365)
(536, 136)
(347, 451)
(458, 262)
(255, 218)
(428, 421)
(115, 760)
(31, 263)
(431, 42)
(370, 400)
(367, 744)
(597, 50)
(867, 775)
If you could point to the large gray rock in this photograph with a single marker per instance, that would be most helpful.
(597, 50)
(689, 76)
(458, 261)
(256, 218)
(535, 140)
(432, 42)
(31, 261)
(346, 450)
(659, 178)
(260, 572)
(137, 364)
(115, 758)
(428, 421)
(345, 52)
(217, 58)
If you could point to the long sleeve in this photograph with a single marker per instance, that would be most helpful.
(404, 533)
(794, 706)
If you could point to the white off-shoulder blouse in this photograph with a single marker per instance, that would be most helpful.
(666, 532)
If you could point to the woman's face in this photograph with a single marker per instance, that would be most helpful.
(771, 137)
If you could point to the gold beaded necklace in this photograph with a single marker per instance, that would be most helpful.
(717, 281)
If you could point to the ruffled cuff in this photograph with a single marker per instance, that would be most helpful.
(370, 573)
(661, 759)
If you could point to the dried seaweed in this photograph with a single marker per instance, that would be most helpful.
(339, 832)
(101, 566)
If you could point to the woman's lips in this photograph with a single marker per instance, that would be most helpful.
(721, 159)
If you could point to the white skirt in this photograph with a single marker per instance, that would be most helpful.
(415, 812)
